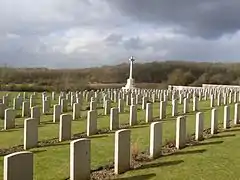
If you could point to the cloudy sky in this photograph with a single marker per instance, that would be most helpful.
(85, 33)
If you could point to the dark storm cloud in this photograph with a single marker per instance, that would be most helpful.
(134, 43)
(204, 18)
(113, 39)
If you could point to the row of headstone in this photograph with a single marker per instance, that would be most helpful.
(58, 109)
(62, 107)
(114, 94)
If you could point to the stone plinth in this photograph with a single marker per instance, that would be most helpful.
(130, 84)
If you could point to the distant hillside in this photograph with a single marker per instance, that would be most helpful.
(159, 73)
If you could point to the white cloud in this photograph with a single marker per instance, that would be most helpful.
(12, 36)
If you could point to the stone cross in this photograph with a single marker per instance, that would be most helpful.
(131, 66)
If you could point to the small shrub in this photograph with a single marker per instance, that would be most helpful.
(135, 150)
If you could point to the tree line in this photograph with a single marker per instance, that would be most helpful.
(158, 73)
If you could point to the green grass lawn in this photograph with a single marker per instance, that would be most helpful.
(215, 158)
